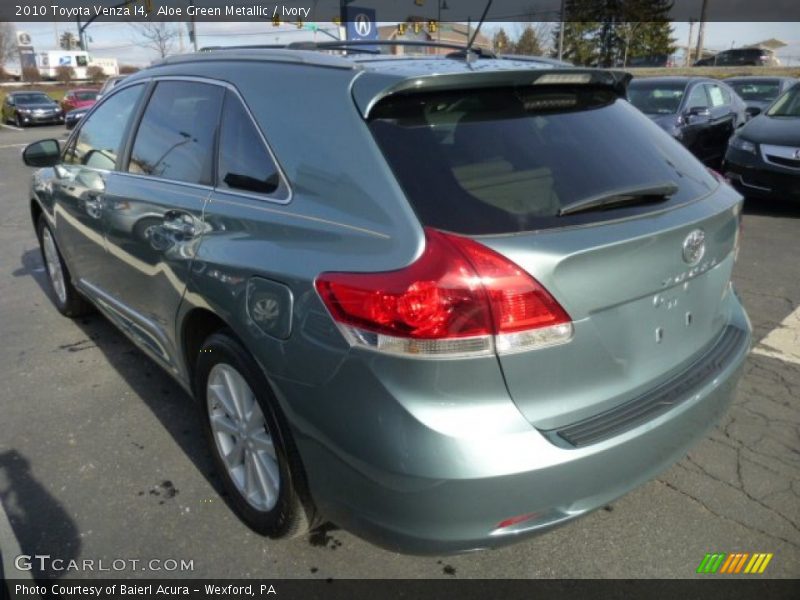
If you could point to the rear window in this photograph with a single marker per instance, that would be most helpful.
(757, 91)
(657, 98)
(85, 96)
(507, 160)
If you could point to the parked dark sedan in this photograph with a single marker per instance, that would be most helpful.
(73, 117)
(737, 57)
(763, 159)
(759, 92)
(28, 108)
(701, 113)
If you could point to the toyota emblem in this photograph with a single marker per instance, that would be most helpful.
(694, 247)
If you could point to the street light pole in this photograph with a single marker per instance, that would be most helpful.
(561, 34)
(193, 27)
(702, 31)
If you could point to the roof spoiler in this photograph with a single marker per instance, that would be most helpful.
(369, 90)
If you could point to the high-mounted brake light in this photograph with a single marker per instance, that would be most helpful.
(563, 78)
(459, 298)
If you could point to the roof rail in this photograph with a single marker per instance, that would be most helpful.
(364, 46)
(247, 47)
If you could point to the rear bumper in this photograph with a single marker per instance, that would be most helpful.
(478, 481)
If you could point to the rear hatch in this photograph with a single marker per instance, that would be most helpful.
(627, 230)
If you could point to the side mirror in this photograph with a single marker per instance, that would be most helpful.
(753, 111)
(698, 111)
(45, 153)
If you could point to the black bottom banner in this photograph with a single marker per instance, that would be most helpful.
(406, 589)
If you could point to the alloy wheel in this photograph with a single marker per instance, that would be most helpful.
(242, 437)
(54, 269)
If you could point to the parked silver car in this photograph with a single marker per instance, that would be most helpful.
(445, 302)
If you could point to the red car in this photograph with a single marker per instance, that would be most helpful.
(80, 98)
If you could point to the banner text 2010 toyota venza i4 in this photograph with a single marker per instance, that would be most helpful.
(444, 302)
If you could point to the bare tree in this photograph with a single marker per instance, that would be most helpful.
(159, 36)
(626, 32)
(65, 74)
(8, 43)
(95, 74)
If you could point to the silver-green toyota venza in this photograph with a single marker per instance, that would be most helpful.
(444, 301)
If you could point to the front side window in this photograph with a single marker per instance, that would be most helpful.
(100, 137)
(244, 163)
(175, 139)
(81, 61)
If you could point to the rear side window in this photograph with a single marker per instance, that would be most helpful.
(175, 139)
(99, 139)
(726, 95)
(244, 162)
(508, 160)
(697, 98)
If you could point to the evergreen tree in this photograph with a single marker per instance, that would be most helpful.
(610, 32)
(581, 29)
(648, 21)
(501, 43)
(528, 43)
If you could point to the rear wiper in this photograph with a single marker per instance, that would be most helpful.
(635, 195)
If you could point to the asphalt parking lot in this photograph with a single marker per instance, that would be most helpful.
(101, 455)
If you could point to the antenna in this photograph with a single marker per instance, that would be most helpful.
(477, 29)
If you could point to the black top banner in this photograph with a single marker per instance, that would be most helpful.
(399, 10)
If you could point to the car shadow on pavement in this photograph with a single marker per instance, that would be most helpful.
(40, 523)
(167, 400)
(31, 264)
(772, 208)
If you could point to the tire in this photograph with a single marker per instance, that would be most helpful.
(285, 512)
(67, 299)
(18, 122)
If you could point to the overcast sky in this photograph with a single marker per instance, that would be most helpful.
(121, 41)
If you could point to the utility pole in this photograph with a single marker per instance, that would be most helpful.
(702, 31)
(561, 33)
(688, 60)
(439, 19)
(192, 28)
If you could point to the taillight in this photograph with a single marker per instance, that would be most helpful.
(458, 298)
